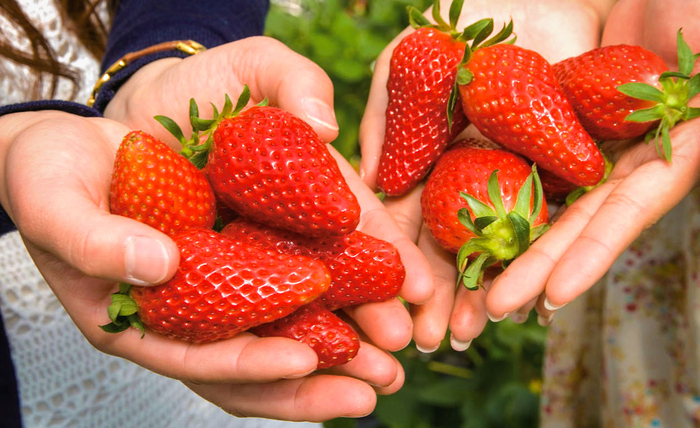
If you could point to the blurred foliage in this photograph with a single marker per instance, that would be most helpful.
(496, 382)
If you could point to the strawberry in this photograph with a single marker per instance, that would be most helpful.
(221, 288)
(622, 92)
(157, 186)
(508, 214)
(555, 188)
(363, 268)
(512, 96)
(267, 164)
(333, 340)
(422, 72)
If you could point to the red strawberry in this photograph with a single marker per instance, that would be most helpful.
(422, 73)
(267, 164)
(590, 82)
(333, 340)
(363, 268)
(155, 185)
(513, 97)
(221, 288)
(622, 92)
(555, 188)
(464, 184)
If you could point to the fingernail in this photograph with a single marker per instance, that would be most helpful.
(320, 112)
(426, 350)
(459, 345)
(362, 173)
(545, 321)
(494, 319)
(552, 307)
(146, 260)
(518, 318)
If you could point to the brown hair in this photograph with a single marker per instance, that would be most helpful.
(79, 16)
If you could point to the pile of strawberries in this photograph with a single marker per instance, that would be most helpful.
(487, 202)
(266, 228)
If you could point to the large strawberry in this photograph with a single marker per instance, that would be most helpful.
(221, 288)
(513, 97)
(155, 185)
(499, 190)
(422, 72)
(333, 340)
(363, 268)
(267, 164)
(622, 92)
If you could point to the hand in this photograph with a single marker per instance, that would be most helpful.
(592, 233)
(556, 30)
(56, 170)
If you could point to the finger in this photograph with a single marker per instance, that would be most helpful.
(315, 398)
(59, 201)
(635, 204)
(372, 365)
(526, 277)
(431, 318)
(522, 314)
(387, 324)
(290, 81)
(406, 211)
(378, 222)
(468, 317)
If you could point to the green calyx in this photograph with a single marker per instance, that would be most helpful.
(203, 129)
(418, 20)
(500, 235)
(678, 87)
(123, 312)
(478, 33)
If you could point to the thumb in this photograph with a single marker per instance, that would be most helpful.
(290, 81)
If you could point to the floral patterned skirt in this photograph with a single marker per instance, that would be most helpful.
(627, 353)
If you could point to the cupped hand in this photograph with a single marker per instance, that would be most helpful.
(557, 30)
(56, 171)
(592, 233)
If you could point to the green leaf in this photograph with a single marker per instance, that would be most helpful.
(471, 277)
(539, 195)
(505, 32)
(482, 35)
(199, 159)
(464, 76)
(692, 112)
(114, 327)
(647, 114)
(479, 208)
(686, 59)
(194, 112)
(128, 308)
(521, 227)
(642, 91)
(474, 29)
(466, 220)
(482, 223)
(228, 105)
(522, 203)
(452, 105)
(263, 103)
(124, 287)
(172, 127)
(242, 100)
(135, 322)
(416, 18)
(201, 124)
(113, 310)
(437, 16)
(668, 74)
(694, 86)
(666, 140)
(494, 191)
(455, 11)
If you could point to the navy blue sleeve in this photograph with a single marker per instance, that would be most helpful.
(139, 24)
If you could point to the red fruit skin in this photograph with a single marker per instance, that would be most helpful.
(421, 75)
(363, 268)
(466, 167)
(270, 165)
(157, 186)
(333, 340)
(223, 287)
(555, 189)
(590, 81)
(515, 100)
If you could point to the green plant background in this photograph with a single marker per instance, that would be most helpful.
(496, 382)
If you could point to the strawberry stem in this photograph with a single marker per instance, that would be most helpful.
(123, 312)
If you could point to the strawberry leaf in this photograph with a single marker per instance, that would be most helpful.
(482, 223)
(666, 142)
(242, 100)
(521, 227)
(455, 11)
(194, 111)
(471, 277)
(479, 208)
(416, 18)
(199, 159)
(522, 203)
(466, 220)
(483, 34)
(494, 191)
(437, 16)
(647, 114)
(464, 76)
(692, 112)
(228, 105)
(694, 86)
(667, 74)
(686, 59)
(642, 91)
(502, 35)
(474, 29)
(173, 128)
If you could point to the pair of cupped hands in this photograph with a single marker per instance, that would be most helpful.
(56, 169)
